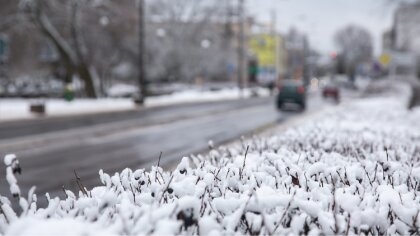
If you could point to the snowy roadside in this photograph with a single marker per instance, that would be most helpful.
(355, 169)
(384, 90)
(12, 109)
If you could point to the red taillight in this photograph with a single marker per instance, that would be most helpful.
(301, 89)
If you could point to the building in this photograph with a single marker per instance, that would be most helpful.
(191, 51)
(298, 53)
(406, 29)
(269, 52)
(402, 43)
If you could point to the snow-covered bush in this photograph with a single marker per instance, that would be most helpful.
(354, 170)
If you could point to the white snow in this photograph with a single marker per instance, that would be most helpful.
(196, 95)
(122, 90)
(352, 170)
(56, 227)
(12, 109)
(9, 158)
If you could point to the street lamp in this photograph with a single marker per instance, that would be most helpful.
(161, 33)
(240, 71)
(141, 67)
(205, 43)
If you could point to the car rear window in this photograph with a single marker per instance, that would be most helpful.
(290, 83)
(288, 89)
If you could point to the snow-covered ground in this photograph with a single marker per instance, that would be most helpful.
(11, 109)
(195, 95)
(353, 170)
(19, 108)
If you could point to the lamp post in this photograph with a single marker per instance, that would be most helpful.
(141, 67)
(240, 69)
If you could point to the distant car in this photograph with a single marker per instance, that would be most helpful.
(331, 90)
(291, 92)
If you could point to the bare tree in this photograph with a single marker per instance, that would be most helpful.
(355, 46)
(187, 39)
(8, 18)
(60, 22)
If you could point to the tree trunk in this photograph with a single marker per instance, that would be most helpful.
(82, 68)
(71, 57)
(85, 75)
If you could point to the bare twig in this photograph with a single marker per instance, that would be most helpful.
(243, 166)
(80, 184)
(166, 188)
(160, 156)
(157, 167)
(285, 212)
(64, 190)
(4, 214)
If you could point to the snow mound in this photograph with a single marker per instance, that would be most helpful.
(355, 170)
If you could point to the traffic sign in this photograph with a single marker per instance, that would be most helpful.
(385, 59)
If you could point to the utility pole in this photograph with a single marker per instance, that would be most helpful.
(240, 69)
(141, 67)
(276, 45)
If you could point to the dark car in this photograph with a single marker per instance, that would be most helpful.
(291, 92)
(331, 90)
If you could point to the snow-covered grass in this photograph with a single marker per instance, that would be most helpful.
(194, 95)
(353, 170)
(19, 108)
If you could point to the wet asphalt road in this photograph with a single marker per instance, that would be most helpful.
(49, 150)
(141, 117)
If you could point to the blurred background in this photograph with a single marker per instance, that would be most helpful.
(67, 49)
(91, 84)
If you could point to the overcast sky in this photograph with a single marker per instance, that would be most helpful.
(320, 19)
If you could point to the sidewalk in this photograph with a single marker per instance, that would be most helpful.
(18, 109)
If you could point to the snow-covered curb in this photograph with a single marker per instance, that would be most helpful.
(353, 170)
(189, 96)
(11, 109)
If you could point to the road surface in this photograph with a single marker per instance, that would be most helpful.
(49, 150)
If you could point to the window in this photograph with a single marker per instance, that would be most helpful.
(4, 48)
